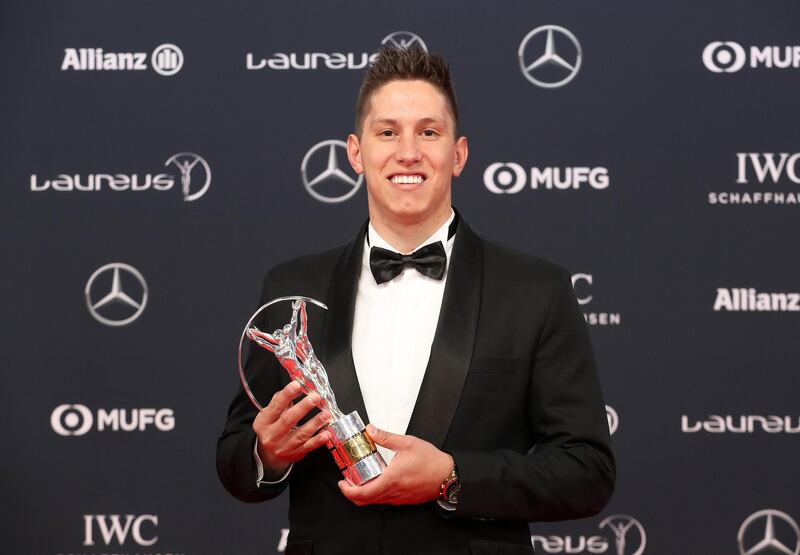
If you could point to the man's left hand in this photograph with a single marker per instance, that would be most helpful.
(415, 474)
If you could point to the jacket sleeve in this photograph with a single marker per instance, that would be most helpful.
(236, 466)
(569, 472)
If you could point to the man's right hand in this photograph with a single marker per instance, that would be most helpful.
(280, 443)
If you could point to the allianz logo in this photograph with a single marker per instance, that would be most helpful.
(745, 424)
(166, 59)
(312, 60)
(741, 299)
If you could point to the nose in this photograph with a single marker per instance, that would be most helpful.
(408, 151)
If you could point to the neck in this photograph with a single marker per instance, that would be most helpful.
(407, 236)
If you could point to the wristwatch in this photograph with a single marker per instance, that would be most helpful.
(451, 486)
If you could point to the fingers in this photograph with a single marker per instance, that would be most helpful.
(308, 430)
(292, 415)
(280, 402)
(372, 492)
(279, 441)
(386, 439)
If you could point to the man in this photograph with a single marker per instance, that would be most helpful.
(472, 362)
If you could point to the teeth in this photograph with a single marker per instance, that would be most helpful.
(407, 179)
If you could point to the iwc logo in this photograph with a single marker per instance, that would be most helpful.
(769, 531)
(116, 294)
(323, 176)
(550, 56)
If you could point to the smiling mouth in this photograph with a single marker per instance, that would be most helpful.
(407, 179)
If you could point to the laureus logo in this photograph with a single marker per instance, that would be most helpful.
(613, 419)
(331, 60)
(186, 162)
(404, 39)
(629, 534)
(195, 179)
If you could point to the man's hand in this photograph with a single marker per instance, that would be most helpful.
(414, 475)
(279, 442)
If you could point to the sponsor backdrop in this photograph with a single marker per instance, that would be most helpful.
(158, 158)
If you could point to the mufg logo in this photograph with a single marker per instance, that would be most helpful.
(730, 57)
(77, 420)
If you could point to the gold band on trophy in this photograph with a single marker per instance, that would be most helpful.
(359, 446)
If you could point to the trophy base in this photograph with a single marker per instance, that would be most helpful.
(354, 451)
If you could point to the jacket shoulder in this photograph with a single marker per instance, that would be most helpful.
(305, 274)
(522, 265)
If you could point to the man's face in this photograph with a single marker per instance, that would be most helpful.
(408, 153)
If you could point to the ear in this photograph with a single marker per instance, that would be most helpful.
(462, 151)
(354, 153)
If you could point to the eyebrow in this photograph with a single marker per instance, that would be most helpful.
(392, 121)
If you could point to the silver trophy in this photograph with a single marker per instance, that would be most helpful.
(352, 448)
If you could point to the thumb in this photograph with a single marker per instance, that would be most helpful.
(384, 438)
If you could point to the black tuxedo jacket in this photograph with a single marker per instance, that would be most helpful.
(510, 390)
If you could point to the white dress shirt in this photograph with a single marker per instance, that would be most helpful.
(393, 329)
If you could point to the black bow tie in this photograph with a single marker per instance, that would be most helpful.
(429, 260)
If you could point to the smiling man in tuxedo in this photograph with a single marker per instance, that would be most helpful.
(471, 361)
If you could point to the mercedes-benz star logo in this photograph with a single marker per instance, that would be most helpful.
(770, 540)
(332, 178)
(621, 525)
(117, 307)
(404, 39)
(186, 161)
(547, 70)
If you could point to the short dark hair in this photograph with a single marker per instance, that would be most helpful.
(406, 64)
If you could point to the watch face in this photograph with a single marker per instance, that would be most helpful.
(452, 491)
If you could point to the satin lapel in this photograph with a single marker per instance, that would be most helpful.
(336, 355)
(451, 352)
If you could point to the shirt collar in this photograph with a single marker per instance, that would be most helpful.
(375, 240)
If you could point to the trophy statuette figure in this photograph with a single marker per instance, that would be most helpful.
(353, 450)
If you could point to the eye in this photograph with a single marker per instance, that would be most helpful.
(387, 133)
(429, 133)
